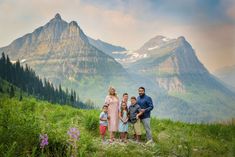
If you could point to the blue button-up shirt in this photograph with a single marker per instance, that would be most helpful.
(146, 103)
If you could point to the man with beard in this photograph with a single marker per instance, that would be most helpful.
(146, 105)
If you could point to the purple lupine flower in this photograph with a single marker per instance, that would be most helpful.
(43, 140)
(74, 136)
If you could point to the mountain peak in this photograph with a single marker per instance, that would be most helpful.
(155, 42)
(57, 16)
(181, 38)
(73, 23)
(182, 41)
(159, 37)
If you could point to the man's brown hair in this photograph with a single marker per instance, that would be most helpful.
(125, 94)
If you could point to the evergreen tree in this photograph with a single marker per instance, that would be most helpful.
(12, 91)
(3, 66)
(71, 97)
(21, 97)
(1, 86)
(27, 80)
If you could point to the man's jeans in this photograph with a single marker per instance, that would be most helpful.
(146, 123)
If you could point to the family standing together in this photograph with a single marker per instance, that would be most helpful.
(118, 115)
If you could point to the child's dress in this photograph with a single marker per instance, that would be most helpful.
(123, 127)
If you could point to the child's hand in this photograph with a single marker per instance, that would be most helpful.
(137, 117)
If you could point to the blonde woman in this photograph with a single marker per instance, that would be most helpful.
(113, 105)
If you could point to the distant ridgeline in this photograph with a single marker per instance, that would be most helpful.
(26, 79)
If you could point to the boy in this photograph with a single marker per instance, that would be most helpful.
(135, 113)
(103, 121)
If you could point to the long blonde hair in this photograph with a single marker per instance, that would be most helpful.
(112, 88)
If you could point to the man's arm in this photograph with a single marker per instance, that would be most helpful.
(150, 104)
(140, 112)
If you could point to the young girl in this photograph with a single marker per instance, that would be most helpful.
(123, 121)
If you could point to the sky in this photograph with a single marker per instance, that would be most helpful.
(209, 25)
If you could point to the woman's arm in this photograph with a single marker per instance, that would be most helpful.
(107, 101)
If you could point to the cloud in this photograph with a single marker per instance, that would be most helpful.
(208, 25)
(230, 8)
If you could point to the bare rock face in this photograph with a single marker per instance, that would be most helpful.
(182, 61)
(167, 61)
(170, 67)
(61, 51)
(172, 84)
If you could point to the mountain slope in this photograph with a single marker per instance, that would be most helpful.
(227, 75)
(191, 92)
(57, 41)
(109, 49)
(61, 52)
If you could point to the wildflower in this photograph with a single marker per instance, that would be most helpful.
(43, 140)
(74, 136)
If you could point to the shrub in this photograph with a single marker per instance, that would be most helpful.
(91, 122)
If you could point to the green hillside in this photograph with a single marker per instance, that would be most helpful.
(21, 123)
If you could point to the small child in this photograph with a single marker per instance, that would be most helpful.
(135, 113)
(123, 121)
(103, 121)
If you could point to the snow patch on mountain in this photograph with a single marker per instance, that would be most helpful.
(131, 56)
(152, 48)
(166, 39)
(23, 60)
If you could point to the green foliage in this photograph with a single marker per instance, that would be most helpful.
(91, 122)
(11, 91)
(19, 130)
(26, 79)
(87, 145)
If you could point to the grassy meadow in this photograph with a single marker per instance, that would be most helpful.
(21, 123)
